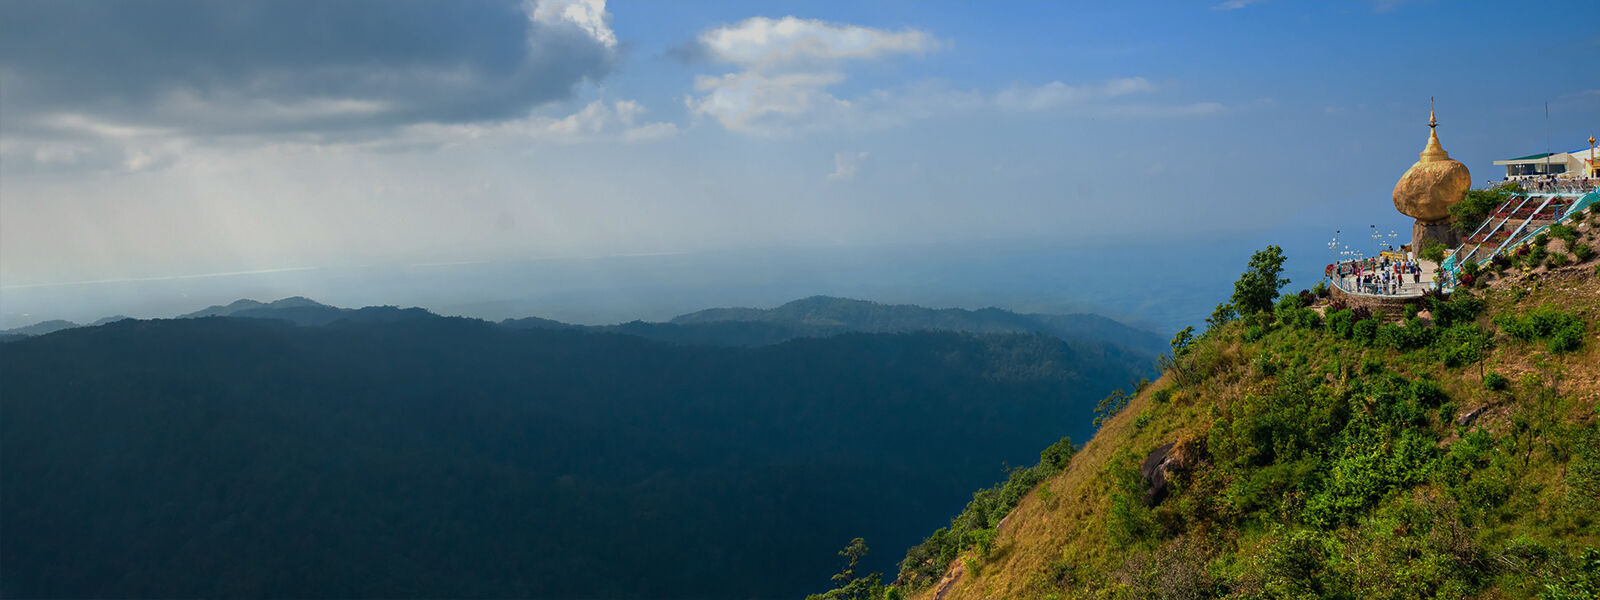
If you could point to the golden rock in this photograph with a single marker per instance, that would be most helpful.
(1433, 183)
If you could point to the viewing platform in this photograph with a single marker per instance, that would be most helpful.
(1353, 282)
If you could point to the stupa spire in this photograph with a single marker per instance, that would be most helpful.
(1433, 151)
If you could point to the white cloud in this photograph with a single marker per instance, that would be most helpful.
(845, 165)
(588, 15)
(786, 67)
(761, 41)
(1100, 99)
(596, 121)
(768, 105)
(1056, 93)
(81, 143)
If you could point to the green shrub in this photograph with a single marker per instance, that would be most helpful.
(1410, 336)
(1341, 323)
(1161, 396)
(1582, 252)
(1461, 307)
(1291, 311)
(1583, 583)
(1583, 471)
(1556, 260)
(1540, 240)
(1298, 566)
(1564, 332)
(1476, 205)
(1358, 477)
(1433, 252)
(1563, 232)
(1130, 521)
(1567, 338)
(1495, 382)
(1463, 344)
(1537, 255)
(1365, 331)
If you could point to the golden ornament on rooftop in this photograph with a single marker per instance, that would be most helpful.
(1433, 183)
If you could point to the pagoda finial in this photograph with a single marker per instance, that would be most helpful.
(1433, 151)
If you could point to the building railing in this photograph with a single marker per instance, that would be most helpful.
(1546, 185)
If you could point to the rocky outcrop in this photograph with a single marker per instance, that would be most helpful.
(1163, 463)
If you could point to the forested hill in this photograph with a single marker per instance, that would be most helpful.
(817, 316)
(824, 315)
(394, 453)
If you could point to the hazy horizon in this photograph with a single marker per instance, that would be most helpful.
(603, 162)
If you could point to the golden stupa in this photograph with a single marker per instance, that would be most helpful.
(1429, 188)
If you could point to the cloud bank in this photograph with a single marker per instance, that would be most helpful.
(292, 65)
(785, 69)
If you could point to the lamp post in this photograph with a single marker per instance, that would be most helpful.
(1333, 247)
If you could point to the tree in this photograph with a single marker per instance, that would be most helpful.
(853, 554)
(1182, 341)
(1471, 211)
(1433, 252)
(1258, 287)
(1221, 316)
(1057, 455)
(851, 587)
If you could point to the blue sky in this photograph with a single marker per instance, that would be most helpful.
(150, 140)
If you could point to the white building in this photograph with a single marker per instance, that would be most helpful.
(1581, 163)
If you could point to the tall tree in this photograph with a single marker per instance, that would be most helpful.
(1257, 287)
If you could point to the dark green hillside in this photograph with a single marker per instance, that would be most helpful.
(40, 328)
(393, 453)
(823, 315)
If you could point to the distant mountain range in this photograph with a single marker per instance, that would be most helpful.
(817, 316)
(820, 316)
(53, 326)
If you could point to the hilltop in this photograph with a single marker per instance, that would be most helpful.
(1307, 450)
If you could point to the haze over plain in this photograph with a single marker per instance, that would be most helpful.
(639, 160)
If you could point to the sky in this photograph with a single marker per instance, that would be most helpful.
(238, 143)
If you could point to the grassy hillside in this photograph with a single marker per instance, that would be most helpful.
(1320, 453)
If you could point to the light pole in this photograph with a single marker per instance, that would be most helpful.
(1333, 247)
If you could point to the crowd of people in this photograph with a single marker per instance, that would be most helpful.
(1382, 275)
(1548, 184)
